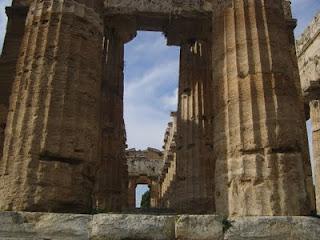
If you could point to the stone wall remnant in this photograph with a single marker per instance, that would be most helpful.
(144, 167)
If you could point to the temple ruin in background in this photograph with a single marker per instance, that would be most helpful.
(238, 142)
(144, 167)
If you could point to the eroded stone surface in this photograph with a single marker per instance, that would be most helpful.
(52, 134)
(119, 227)
(308, 52)
(273, 228)
(241, 136)
(23, 225)
(144, 163)
(40, 226)
(144, 167)
(168, 173)
(261, 161)
(200, 227)
(187, 7)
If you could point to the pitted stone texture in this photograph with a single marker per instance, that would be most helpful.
(45, 226)
(188, 7)
(261, 161)
(144, 163)
(52, 129)
(308, 52)
(274, 228)
(133, 227)
(23, 225)
(200, 227)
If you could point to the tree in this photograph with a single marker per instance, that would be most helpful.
(145, 201)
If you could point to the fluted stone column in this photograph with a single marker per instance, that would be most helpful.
(154, 194)
(193, 186)
(259, 134)
(52, 134)
(109, 176)
(112, 184)
(291, 24)
(315, 119)
(17, 14)
(132, 193)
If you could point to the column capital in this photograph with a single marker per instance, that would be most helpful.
(124, 27)
(22, 3)
(17, 10)
(312, 92)
(181, 31)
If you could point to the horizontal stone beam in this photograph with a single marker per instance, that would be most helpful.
(23, 225)
(172, 7)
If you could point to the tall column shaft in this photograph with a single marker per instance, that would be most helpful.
(112, 165)
(132, 193)
(8, 60)
(154, 194)
(315, 119)
(259, 131)
(192, 188)
(52, 134)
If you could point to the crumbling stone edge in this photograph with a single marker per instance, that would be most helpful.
(53, 226)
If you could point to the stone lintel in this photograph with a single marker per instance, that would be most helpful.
(188, 30)
(124, 26)
(188, 8)
(161, 226)
(313, 91)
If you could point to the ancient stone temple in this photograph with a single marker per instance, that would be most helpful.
(144, 167)
(237, 145)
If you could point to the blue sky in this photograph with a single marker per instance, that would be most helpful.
(151, 79)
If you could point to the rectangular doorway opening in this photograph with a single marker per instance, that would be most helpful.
(143, 196)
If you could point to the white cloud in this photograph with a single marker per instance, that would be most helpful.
(170, 101)
(147, 105)
(150, 81)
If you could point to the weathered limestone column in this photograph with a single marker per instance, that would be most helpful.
(291, 24)
(17, 14)
(259, 134)
(112, 184)
(308, 52)
(315, 119)
(193, 186)
(154, 194)
(132, 193)
(52, 134)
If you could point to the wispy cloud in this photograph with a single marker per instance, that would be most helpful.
(151, 78)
